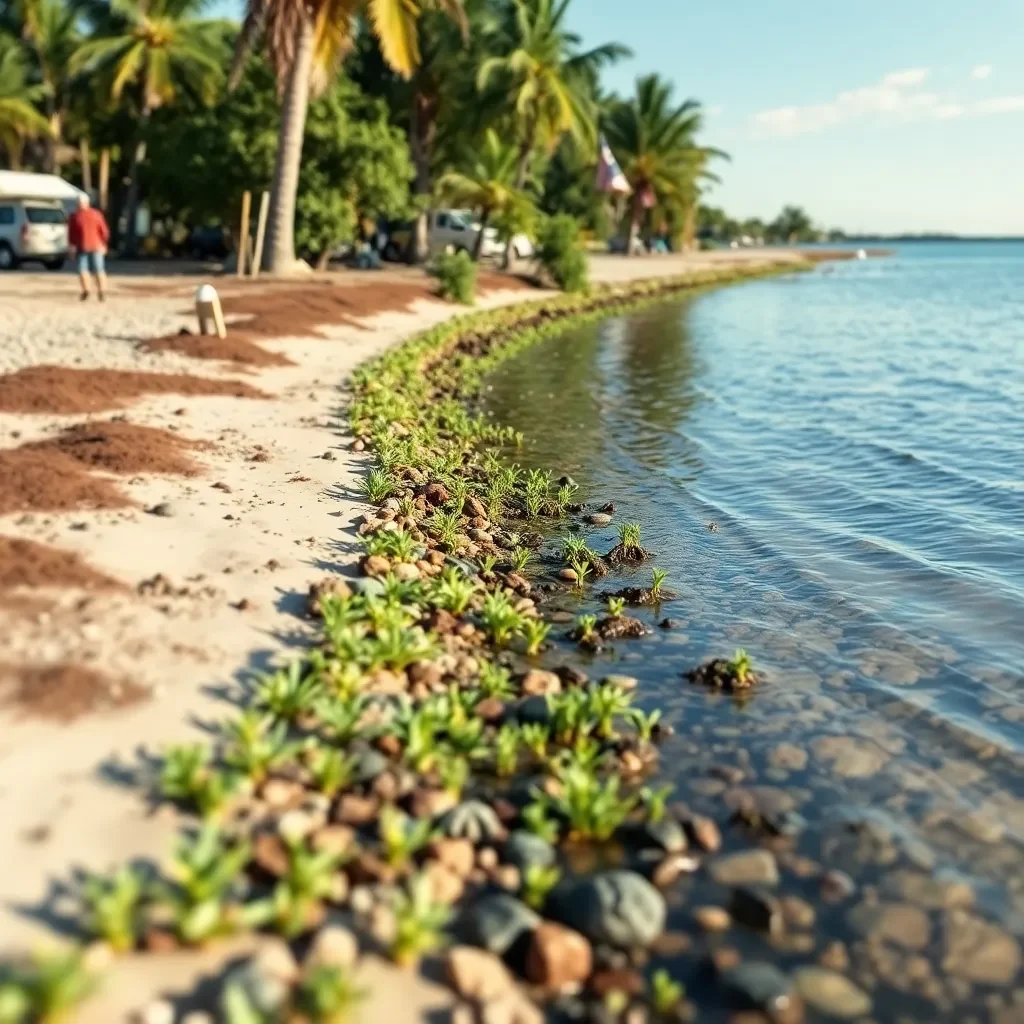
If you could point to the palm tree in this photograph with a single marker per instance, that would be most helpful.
(154, 49)
(655, 142)
(305, 43)
(19, 118)
(550, 84)
(487, 186)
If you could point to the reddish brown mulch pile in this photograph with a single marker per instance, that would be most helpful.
(63, 692)
(121, 447)
(233, 349)
(51, 481)
(24, 563)
(59, 389)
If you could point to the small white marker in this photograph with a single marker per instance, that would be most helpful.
(208, 308)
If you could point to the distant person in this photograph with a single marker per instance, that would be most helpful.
(88, 235)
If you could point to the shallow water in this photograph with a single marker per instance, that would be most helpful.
(857, 435)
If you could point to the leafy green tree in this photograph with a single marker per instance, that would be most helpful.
(305, 43)
(792, 225)
(655, 142)
(156, 50)
(19, 118)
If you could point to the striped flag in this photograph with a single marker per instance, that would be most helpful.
(609, 174)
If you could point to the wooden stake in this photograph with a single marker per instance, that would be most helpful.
(261, 230)
(243, 234)
(86, 161)
(104, 178)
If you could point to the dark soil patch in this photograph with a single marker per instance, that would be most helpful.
(235, 348)
(121, 447)
(642, 595)
(719, 675)
(59, 389)
(64, 692)
(51, 481)
(617, 627)
(24, 563)
(623, 553)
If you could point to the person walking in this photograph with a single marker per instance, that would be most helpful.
(88, 235)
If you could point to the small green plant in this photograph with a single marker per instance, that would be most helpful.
(456, 277)
(113, 908)
(378, 486)
(741, 668)
(586, 627)
(643, 723)
(343, 719)
(453, 771)
(666, 994)
(296, 903)
(445, 525)
(499, 618)
(188, 778)
(451, 591)
(506, 751)
(538, 482)
(520, 558)
(395, 647)
(402, 837)
(47, 991)
(657, 582)
(574, 548)
(394, 544)
(607, 702)
(328, 995)
(535, 738)
(563, 499)
(331, 770)
(616, 606)
(593, 807)
(535, 633)
(496, 681)
(538, 882)
(538, 821)
(487, 564)
(289, 693)
(466, 738)
(560, 252)
(629, 535)
(582, 569)
(420, 921)
(654, 801)
(256, 745)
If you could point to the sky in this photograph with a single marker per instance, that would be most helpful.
(875, 115)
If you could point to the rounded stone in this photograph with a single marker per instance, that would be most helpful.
(831, 993)
(526, 850)
(473, 820)
(619, 908)
(496, 921)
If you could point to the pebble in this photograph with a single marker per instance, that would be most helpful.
(569, 575)
(712, 919)
(476, 974)
(666, 834)
(473, 820)
(837, 886)
(508, 877)
(756, 909)
(619, 908)
(831, 993)
(333, 946)
(898, 923)
(496, 921)
(457, 855)
(514, 1008)
(797, 913)
(599, 519)
(851, 757)
(627, 683)
(526, 850)
(538, 682)
(748, 867)
(166, 509)
(788, 757)
(759, 986)
(978, 951)
(446, 886)
(158, 1012)
(406, 571)
(558, 957)
(704, 832)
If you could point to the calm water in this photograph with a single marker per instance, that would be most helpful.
(857, 435)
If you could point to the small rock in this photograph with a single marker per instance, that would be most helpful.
(356, 810)
(712, 919)
(431, 803)
(619, 908)
(756, 909)
(487, 859)
(328, 456)
(557, 957)
(977, 951)
(446, 886)
(165, 509)
(357, 445)
(496, 921)
(627, 683)
(198, 1017)
(382, 924)
(704, 832)
(368, 586)
(898, 923)
(508, 877)
(490, 709)
(476, 974)
(457, 855)
(376, 566)
(616, 979)
(797, 913)
(333, 946)
(268, 976)
(569, 575)
(850, 756)
(534, 711)
(270, 854)
(788, 757)
(835, 957)
(473, 820)
(369, 765)
(160, 1011)
(280, 794)
(759, 986)
(666, 834)
(406, 571)
(513, 1008)
(526, 850)
(748, 867)
(293, 826)
(831, 993)
(671, 868)
(599, 519)
(537, 683)
(837, 886)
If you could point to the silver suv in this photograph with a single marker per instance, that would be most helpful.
(32, 229)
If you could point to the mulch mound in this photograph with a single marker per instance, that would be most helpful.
(51, 481)
(232, 349)
(60, 389)
(121, 447)
(24, 563)
(63, 692)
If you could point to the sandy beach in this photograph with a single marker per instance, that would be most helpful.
(159, 535)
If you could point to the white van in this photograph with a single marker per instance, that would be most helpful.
(454, 231)
(32, 230)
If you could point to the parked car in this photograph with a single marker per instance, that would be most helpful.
(32, 230)
(454, 231)
(208, 243)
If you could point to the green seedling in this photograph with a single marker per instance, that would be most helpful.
(657, 582)
(256, 746)
(654, 801)
(343, 718)
(643, 723)
(535, 738)
(487, 564)
(378, 486)
(586, 627)
(535, 633)
(395, 544)
(564, 497)
(499, 617)
(331, 770)
(451, 591)
(629, 535)
(574, 548)
(537, 884)
(466, 738)
(46, 992)
(445, 525)
(398, 591)
(570, 716)
(582, 569)
(397, 648)
(341, 612)
(328, 995)
(296, 903)
(420, 921)
(741, 668)
(593, 807)
(402, 837)
(608, 702)
(383, 615)
(453, 772)
(418, 729)
(289, 693)
(520, 558)
(496, 681)
(666, 994)
(113, 908)
(538, 821)
(188, 778)
(616, 606)
(506, 751)
(406, 506)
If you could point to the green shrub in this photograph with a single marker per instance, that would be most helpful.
(562, 255)
(456, 275)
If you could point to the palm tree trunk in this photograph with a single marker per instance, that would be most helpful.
(281, 231)
(522, 169)
(478, 249)
(636, 212)
(131, 204)
(422, 132)
(50, 163)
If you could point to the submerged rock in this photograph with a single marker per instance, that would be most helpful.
(526, 850)
(978, 951)
(831, 993)
(496, 921)
(558, 957)
(474, 820)
(749, 867)
(618, 908)
(759, 986)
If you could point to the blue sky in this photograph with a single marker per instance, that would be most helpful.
(876, 115)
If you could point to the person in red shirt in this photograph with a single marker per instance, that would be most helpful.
(88, 235)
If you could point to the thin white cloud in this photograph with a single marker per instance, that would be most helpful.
(981, 72)
(896, 96)
(716, 110)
